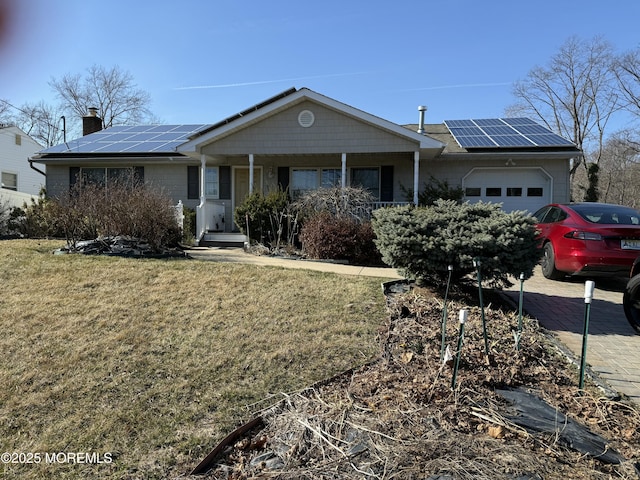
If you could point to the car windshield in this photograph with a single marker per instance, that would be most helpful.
(607, 214)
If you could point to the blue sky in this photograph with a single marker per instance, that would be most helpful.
(203, 60)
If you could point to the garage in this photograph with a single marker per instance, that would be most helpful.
(516, 188)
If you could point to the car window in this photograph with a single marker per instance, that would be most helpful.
(539, 215)
(555, 215)
(608, 214)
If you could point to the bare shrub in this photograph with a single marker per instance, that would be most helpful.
(348, 202)
(125, 207)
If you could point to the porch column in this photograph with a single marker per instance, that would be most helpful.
(344, 170)
(416, 176)
(201, 211)
(203, 171)
(250, 173)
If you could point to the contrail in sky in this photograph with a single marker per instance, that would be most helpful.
(462, 85)
(265, 82)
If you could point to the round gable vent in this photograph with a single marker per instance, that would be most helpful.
(306, 118)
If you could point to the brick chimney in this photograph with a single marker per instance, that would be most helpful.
(91, 122)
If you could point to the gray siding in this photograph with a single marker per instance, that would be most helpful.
(454, 171)
(332, 132)
(172, 179)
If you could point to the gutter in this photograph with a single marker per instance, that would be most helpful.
(510, 154)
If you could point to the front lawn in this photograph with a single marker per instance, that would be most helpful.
(142, 366)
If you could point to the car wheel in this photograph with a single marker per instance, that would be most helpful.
(549, 263)
(631, 302)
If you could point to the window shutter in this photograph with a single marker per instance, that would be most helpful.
(74, 176)
(193, 182)
(386, 183)
(283, 178)
(224, 179)
(138, 173)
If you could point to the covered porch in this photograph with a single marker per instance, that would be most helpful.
(224, 182)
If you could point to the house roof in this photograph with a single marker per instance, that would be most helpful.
(293, 97)
(442, 133)
(127, 140)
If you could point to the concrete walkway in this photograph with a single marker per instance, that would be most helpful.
(613, 347)
(238, 255)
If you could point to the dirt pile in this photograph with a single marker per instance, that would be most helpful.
(403, 416)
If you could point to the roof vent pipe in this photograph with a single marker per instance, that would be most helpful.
(421, 109)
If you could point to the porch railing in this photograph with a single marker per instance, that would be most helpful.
(377, 205)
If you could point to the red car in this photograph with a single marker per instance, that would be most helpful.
(597, 239)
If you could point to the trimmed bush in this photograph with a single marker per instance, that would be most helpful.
(421, 242)
(261, 217)
(326, 236)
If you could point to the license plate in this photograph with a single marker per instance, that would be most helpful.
(628, 244)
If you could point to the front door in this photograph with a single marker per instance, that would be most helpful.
(241, 183)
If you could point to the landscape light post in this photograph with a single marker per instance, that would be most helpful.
(463, 318)
(519, 334)
(589, 285)
(476, 263)
(444, 314)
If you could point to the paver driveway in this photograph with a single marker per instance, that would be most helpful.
(613, 347)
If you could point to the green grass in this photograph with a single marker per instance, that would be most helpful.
(155, 361)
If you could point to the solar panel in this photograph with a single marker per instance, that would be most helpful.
(503, 133)
(130, 139)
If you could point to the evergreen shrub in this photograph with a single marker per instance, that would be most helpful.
(422, 242)
(259, 216)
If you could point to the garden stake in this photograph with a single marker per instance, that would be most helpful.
(444, 314)
(476, 263)
(519, 334)
(588, 295)
(463, 318)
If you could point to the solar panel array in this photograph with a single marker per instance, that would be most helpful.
(504, 133)
(130, 139)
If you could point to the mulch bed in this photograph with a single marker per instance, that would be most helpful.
(402, 416)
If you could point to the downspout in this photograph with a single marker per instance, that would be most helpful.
(34, 168)
(250, 173)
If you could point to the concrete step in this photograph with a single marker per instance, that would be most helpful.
(219, 239)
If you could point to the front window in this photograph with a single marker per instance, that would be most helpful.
(331, 177)
(212, 182)
(367, 178)
(304, 180)
(103, 176)
(10, 181)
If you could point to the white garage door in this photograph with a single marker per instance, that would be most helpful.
(516, 188)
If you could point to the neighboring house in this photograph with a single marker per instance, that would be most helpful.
(301, 140)
(19, 182)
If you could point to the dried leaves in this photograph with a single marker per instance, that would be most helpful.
(399, 417)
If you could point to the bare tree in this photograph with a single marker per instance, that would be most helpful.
(627, 70)
(620, 170)
(42, 122)
(575, 95)
(110, 90)
(5, 113)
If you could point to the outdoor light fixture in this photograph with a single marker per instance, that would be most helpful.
(589, 285)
